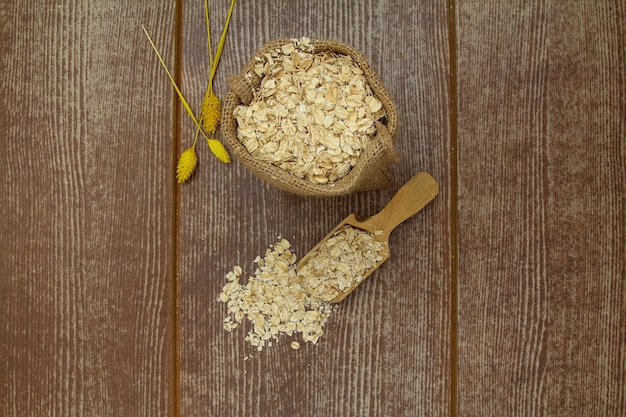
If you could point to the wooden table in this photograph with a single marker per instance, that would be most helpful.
(506, 296)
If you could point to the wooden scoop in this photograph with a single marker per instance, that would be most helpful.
(409, 199)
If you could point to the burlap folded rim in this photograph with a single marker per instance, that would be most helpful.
(372, 170)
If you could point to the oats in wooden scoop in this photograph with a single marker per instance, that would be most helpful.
(341, 262)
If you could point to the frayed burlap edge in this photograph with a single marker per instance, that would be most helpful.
(372, 170)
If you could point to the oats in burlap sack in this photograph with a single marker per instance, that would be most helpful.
(313, 118)
(312, 115)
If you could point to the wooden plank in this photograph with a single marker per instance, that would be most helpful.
(86, 208)
(542, 225)
(386, 349)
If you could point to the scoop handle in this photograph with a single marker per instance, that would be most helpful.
(411, 198)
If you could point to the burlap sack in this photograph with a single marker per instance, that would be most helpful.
(372, 170)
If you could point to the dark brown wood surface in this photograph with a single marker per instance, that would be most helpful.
(542, 180)
(87, 203)
(505, 296)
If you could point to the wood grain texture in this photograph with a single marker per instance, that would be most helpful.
(110, 275)
(86, 208)
(385, 351)
(542, 216)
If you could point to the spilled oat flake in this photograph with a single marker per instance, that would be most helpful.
(278, 300)
(274, 301)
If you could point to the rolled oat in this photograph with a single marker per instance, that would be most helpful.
(341, 262)
(278, 300)
(312, 115)
(273, 300)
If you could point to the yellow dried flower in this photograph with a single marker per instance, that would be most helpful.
(210, 112)
(186, 164)
(219, 150)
